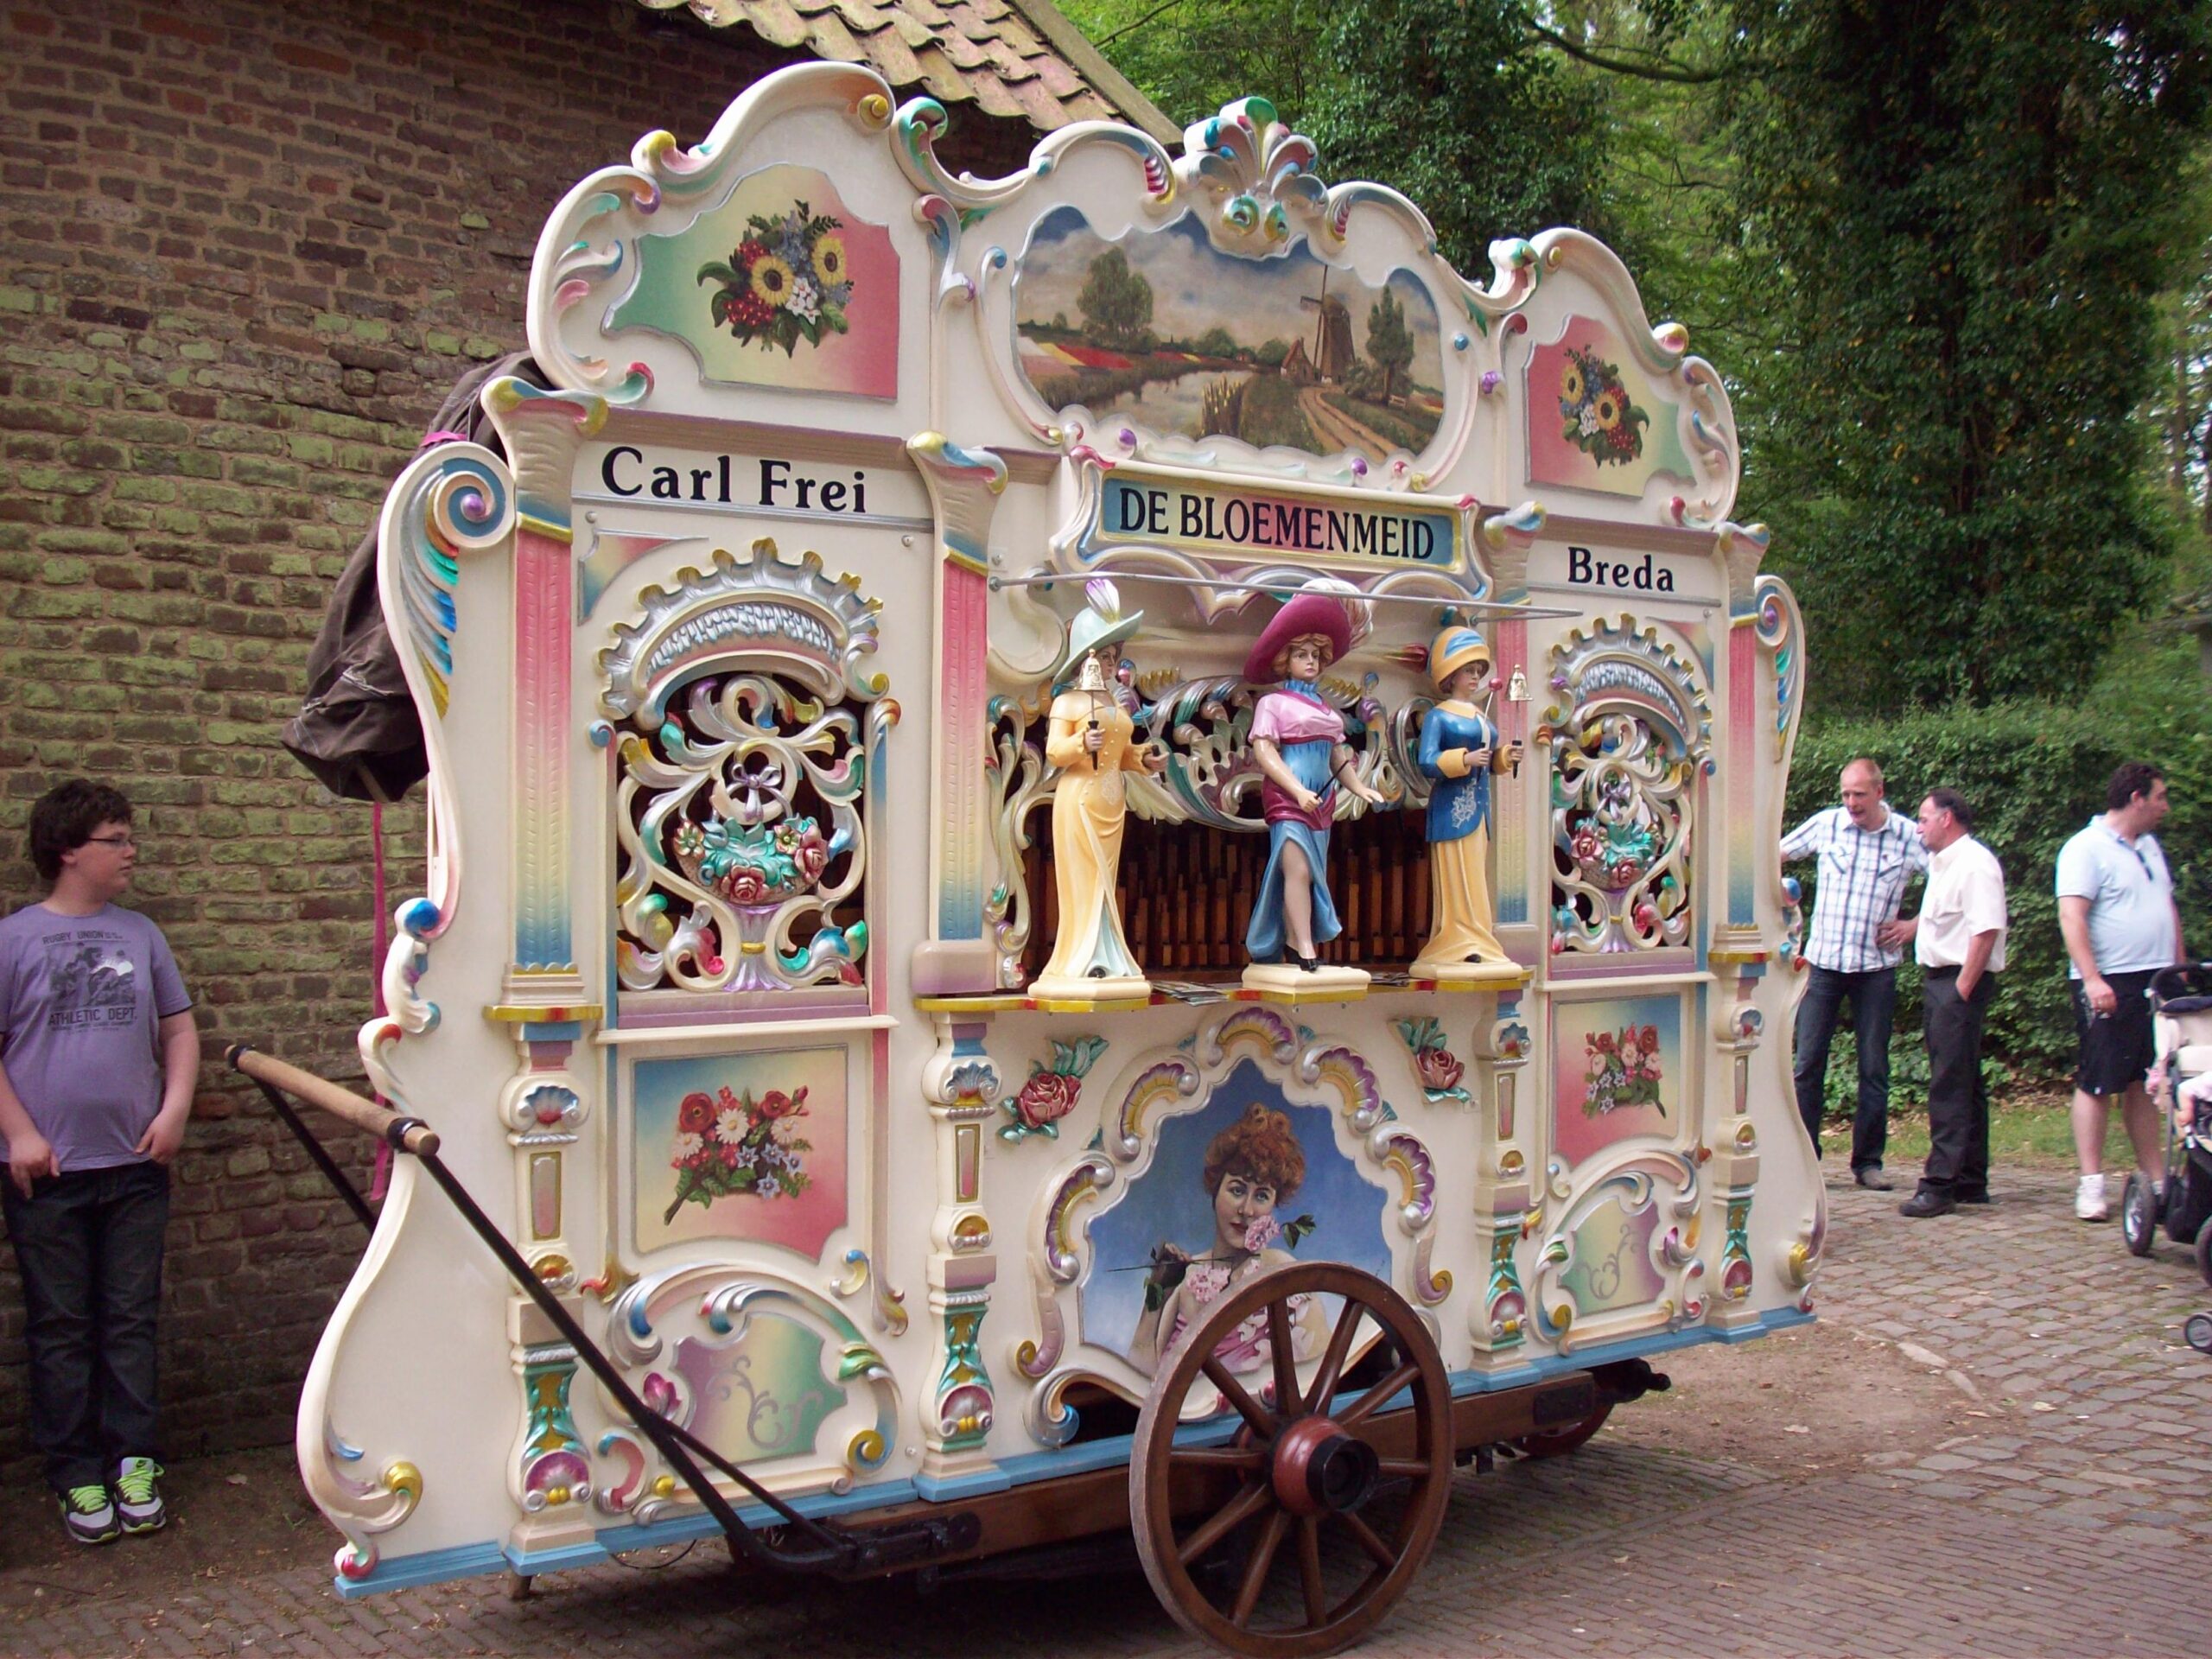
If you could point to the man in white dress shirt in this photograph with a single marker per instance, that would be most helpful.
(1959, 940)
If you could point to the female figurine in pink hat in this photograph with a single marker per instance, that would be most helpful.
(1459, 751)
(1298, 741)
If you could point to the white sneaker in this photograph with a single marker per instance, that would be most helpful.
(2089, 1200)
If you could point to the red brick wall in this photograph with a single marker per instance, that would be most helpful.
(245, 247)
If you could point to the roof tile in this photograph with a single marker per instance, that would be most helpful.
(964, 53)
(969, 18)
(1009, 66)
(892, 57)
(775, 22)
(1055, 75)
(940, 79)
(998, 55)
(992, 97)
(829, 39)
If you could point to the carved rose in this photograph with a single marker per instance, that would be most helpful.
(1048, 1097)
(775, 1104)
(1438, 1071)
(696, 1114)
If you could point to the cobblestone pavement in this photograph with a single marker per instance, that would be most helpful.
(2022, 1471)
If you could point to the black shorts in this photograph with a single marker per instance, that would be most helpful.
(2117, 1051)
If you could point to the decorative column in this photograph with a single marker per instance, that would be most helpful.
(1505, 1212)
(962, 1087)
(964, 489)
(1507, 537)
(1733, 1167)
(544, 1000)
(1740, 549)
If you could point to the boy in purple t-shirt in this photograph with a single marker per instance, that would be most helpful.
(98, 1055)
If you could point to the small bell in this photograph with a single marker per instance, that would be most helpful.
(1516, 689)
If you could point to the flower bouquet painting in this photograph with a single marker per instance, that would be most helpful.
(786, 280)
(740, 1147)
(1593, 403)
(728, 1143)
(1618, 1069)
(782, 262)
(1621, 1068)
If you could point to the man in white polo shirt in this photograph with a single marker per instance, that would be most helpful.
(1959, 940)
(2116, 909)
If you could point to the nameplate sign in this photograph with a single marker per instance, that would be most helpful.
(655, 475)
(1136, 510)
(1633, 573)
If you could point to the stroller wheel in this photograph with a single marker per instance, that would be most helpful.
(2138, 1215)
(2198, 1328)
(2204, 1252)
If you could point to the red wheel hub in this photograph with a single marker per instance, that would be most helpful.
(1319, 1470)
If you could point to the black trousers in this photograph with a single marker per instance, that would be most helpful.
(89, 1245)
(1958, 1101)
(1873, 999)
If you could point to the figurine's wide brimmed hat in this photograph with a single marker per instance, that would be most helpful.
(1455, 647)
(1100, 623)
(1309, 613)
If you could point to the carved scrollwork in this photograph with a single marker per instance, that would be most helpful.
(1640, 1271)
(1631, 733)
(752, 727)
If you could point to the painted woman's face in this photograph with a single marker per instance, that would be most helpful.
(1465, 683)
(1305, 660)
(1238, 1202)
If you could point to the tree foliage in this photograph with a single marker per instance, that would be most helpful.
(1964, 215)
(1390, 342)
(1115, 302)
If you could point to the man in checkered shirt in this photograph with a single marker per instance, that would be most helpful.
(1867, 853)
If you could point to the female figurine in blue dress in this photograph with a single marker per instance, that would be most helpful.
(1459, 751)
(1297, 742)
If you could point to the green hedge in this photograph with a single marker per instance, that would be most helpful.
(2034, 774)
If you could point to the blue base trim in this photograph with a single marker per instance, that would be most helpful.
(431, 1567)
(947, 1489)
(469, 1561)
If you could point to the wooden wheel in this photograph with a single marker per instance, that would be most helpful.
(1558, 1442)
(1301, 1466)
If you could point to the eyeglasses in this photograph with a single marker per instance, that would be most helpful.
(111, 841)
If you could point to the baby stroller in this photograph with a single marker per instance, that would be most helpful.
(2181, 1003)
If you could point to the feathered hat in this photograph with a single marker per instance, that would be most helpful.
(1325, 613)
(1100, 623)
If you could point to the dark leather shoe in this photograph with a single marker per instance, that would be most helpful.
(1872, 1179)
(1924, 1204)
(1972, 1197)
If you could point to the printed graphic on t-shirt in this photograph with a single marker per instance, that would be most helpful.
(91, 981)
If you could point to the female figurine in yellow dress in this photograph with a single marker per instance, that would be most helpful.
(1090, 740)
(1459, 751)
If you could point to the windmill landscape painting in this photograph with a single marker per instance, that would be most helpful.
(1168, 332)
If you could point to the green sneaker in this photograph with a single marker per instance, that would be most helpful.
(88, 1515)
(138, 1495)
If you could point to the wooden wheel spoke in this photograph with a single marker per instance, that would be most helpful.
(1248, 1460)
(1225, 1520)
(1262, 1419)
(1381, 1394)
(1239, 1456)
(1309, 1572)
(1332, 1362)
(1380, 1553)
(1285, 1362)
(1255, 1571)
